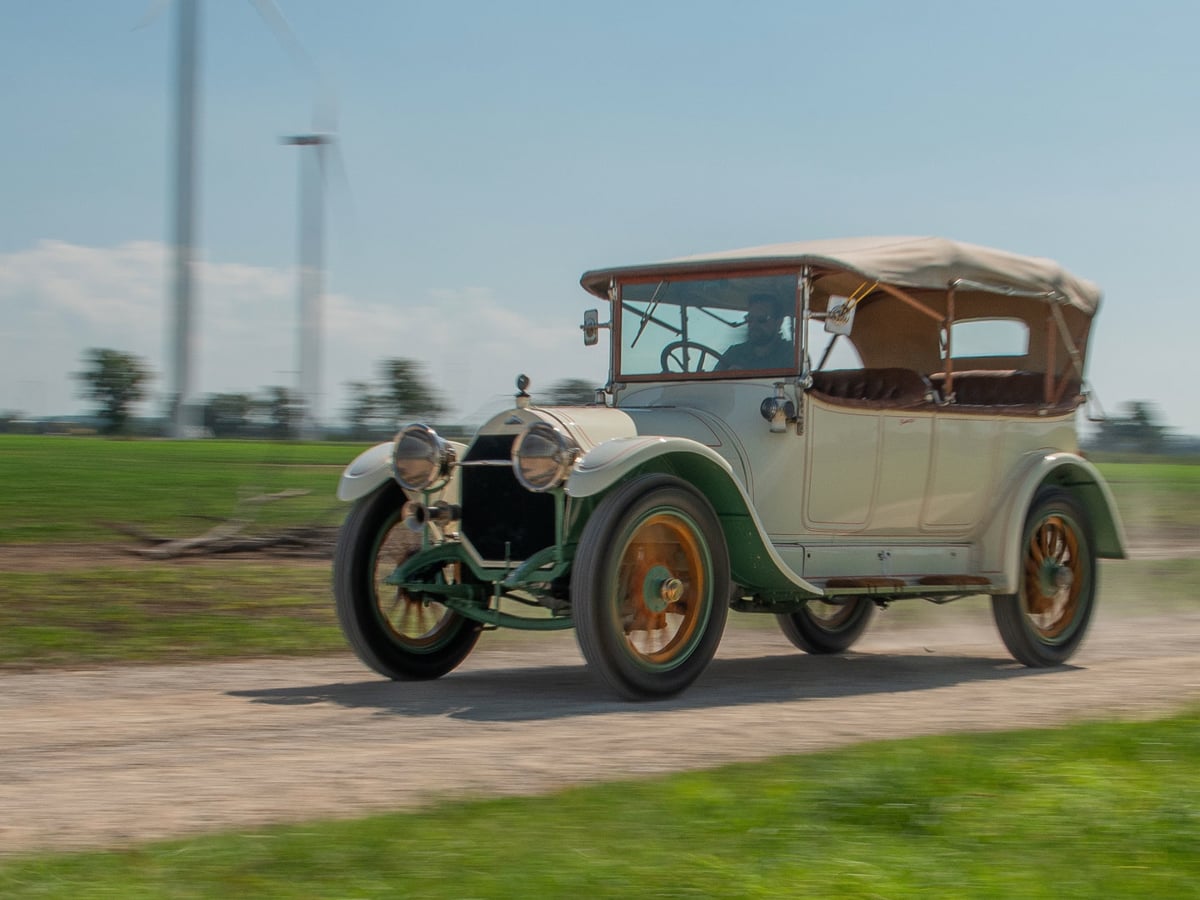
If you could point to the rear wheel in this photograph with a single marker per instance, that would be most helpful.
(820, 627)
(1044, 623)
(649, 587)
(395, 633)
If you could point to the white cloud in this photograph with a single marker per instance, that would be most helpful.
(58, 299)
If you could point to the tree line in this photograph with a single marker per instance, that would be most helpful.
(115, 382)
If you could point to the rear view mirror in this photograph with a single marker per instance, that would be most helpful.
(591, 327)
(840, 316)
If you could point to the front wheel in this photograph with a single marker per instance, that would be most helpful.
(649, 587)
(1044, 623)
(820, 627)
(396, 634)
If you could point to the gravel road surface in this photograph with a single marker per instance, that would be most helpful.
(119, 755)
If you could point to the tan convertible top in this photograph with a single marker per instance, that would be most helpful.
(927, 263)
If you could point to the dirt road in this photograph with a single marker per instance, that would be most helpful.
(116, 755)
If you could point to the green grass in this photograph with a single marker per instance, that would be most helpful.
(1156, 499)
(227, 609)
(1108, 810)
(64, 488)
(164, 613)
(1150, 586)
(58, 488)
(1097, 810)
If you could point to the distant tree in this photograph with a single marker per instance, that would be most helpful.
(1140, 430)
(571, 392)
(363, 412)
(8, 417)
(228, 415)
(282, 411)
(405, 393)
(116, 381)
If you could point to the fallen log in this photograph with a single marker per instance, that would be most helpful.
(230, 535)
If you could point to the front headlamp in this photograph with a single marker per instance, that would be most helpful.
(542, 456)
(420, 458)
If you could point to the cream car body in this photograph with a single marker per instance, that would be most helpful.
(918, 470)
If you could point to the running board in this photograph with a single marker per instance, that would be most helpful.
(919, 585)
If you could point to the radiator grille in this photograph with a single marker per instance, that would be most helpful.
(497, 510)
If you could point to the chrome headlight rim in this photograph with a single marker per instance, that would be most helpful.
(558, 456)
(433, 455)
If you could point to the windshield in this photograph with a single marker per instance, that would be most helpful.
(727, 326)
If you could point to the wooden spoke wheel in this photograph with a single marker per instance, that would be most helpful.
(820, 627)
(1045, 621)
(396, 633)
(650, 587)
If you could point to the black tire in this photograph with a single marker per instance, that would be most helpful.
(394, 633)
(1044, 623)
(820, 628)
(651, 562)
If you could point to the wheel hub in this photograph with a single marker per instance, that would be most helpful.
(1054, 578)
(660, 589)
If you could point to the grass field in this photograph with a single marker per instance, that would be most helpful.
(1094, 810)
(60, 488)
(179, 613)
(65, 488)
(1156, 500)
(1098, 810)
(165, 613)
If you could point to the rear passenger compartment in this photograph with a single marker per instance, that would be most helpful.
(1008, 391)
(890, 388)
(1002, 390)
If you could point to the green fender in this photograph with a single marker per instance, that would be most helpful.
(1001, 541)
(754, 562)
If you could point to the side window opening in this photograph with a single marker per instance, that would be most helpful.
(972, 338)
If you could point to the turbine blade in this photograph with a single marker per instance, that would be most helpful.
(271, 14)
(154, 9)
(341, 180)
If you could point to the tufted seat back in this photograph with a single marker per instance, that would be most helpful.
(1001, 388)
(874, 387)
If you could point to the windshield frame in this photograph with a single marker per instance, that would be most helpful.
(794, 311)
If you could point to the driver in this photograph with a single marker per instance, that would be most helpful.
(765, 347)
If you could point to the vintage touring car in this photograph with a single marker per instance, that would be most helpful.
(809, 430)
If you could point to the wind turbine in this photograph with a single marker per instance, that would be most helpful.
(183, 410)
(312, 276)
(311, 281)
(184, 219)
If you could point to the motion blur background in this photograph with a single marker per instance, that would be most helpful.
(486, 154)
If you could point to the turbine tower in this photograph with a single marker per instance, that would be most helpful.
(182, 370)
(182, 345)
(311, 281)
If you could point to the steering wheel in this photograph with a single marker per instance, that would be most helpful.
(677, 356)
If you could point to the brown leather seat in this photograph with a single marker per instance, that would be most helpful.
(1002, 388)
(882, 388)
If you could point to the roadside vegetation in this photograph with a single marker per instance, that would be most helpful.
(165, 613)
(1096, 810)
(64, 490)
(1106, 809)
(70, 488)
(1158, 500)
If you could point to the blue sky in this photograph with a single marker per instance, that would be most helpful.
(493, 152)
